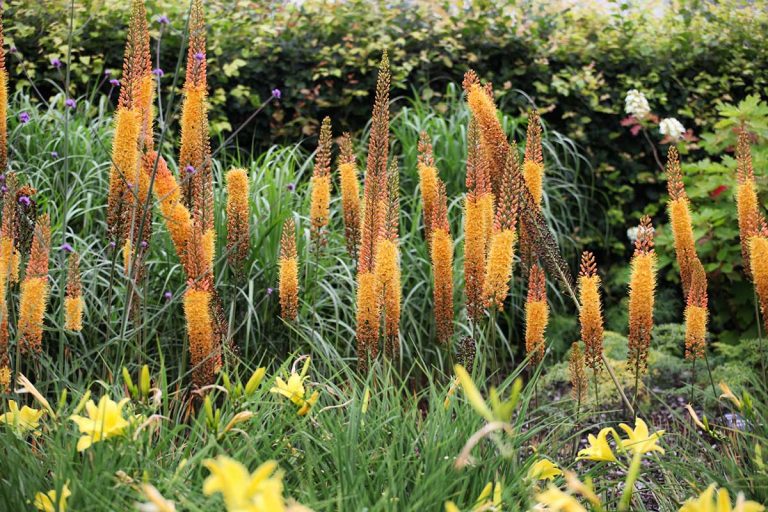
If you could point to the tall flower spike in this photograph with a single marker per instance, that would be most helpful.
(289, 272)
(642, 289)
(590, 315)
(73, 302)
(533, 165)
(536, 315)
(321, 185)
(195, 152)
(747, 203)
(498, 269)
(696, 313)
(34, 290)
(758, 249)
(238, 219)
(388, 275)
(350, 195)
(577, 374)
(3, 102)
(200, 329)
(492, 136)
(427, 183)
(475, 229)
(442, 267)
(373, 222)
(680, 218)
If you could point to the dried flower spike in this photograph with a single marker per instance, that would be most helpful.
(577, 374)
(492, 137)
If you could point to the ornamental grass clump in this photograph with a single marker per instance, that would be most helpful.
(373, 222)
(536, 315)
(238, 219)
(35, 290)
(73, 301)
(350, 194)
(321, 186)
(289, 272)
(642, 289)
(441, 252)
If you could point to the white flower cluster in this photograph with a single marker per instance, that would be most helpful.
(672, 128)
(636, 104)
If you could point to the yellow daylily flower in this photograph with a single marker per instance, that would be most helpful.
(104, 421)
(708, 502)
(294, 390)
(555, 500)
(488, 500)
(544, 469)
(21, 420)
(51, 502)
(451, 507)
(260, 491)
(598, 449)
(640, 440)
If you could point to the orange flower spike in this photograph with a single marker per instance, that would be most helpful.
(442, 267)
(125, 163)
(747, 203)
(197, 310)
(289, 272)
(590, 315)
(680, 218)
(758, 248)
(388, 275)
(427, 183)
(3, 104)
(35, 289)
(642, 289)
(168, 193)
(501, 253)
(536, 315)
(350, 194)
(73, 301)
(696, 313)
(321, 185)
(533, 164)
(492, 136)
(238, 219)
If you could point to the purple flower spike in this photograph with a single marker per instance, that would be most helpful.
(24, 118)
(112, 244)
(158, 72)
(71, 103)
(144, 244)
(66, 247)
(54, 154)
(199, 56)
(163, 20)
(291, 187)
(114, 82)
(168, 295)
(3, 189)
(276, 93)
(56, 63)
(13, 49)
(189, 169)
(25, 200)
(270, 291)
(108, 73)
(2, 178)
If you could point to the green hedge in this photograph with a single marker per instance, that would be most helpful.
(574, 64)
